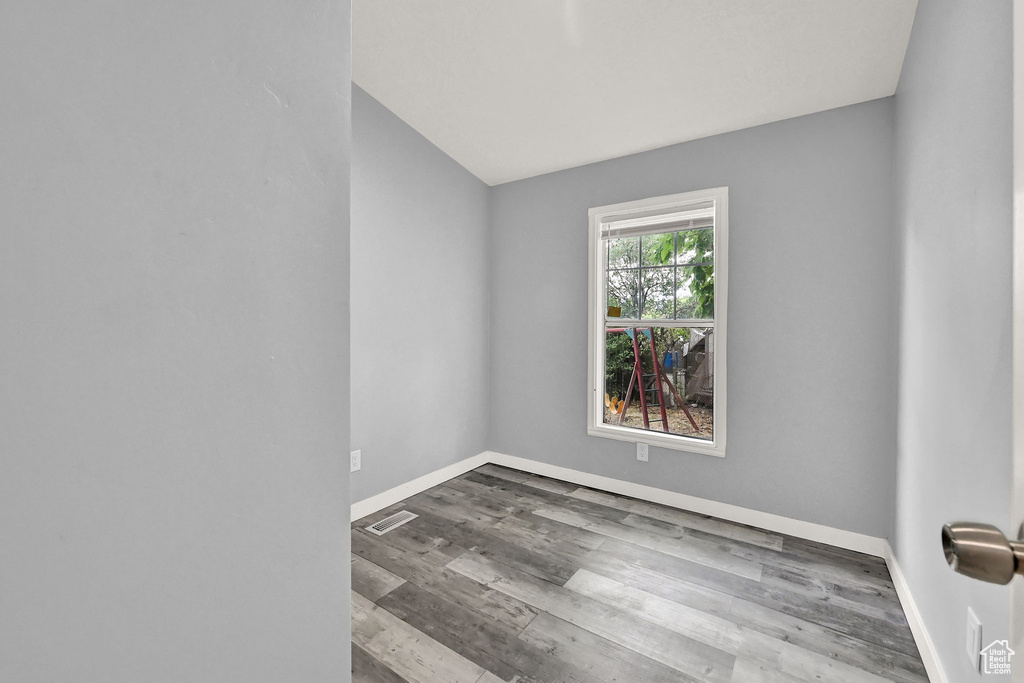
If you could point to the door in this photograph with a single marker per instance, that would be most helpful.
(1016, 530)
(1017, 501)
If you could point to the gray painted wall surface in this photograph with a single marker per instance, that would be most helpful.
(419, 303)
(811, 317)
(953, 214)
(174, 365)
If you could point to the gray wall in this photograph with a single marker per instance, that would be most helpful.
(953, 215)
(174, 344)
(811, 317)
(420, 310)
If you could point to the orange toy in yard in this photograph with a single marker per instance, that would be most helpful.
(614, 404)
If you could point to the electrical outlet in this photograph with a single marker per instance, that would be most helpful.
(641, 452)
(357, 461)
(974, 639)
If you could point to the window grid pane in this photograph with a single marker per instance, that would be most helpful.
(685, 368)
(675, 275)
(634, 283)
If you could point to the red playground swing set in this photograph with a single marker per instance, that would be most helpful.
(660, 380)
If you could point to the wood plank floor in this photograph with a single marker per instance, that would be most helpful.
(506, 576)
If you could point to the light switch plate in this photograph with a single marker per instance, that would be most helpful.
(974, 639)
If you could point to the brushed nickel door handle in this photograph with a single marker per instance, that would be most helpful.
(982, 552)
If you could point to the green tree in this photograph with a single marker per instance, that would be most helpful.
(618, 365)
(693, 251)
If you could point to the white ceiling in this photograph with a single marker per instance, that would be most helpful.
(515, 88)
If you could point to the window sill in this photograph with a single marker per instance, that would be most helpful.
(677, 443)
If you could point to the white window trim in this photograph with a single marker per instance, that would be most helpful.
(596, 318)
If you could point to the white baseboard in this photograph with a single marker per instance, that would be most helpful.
(850, 540)
(929, 655)
(411, 488)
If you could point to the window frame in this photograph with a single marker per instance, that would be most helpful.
(597, 300)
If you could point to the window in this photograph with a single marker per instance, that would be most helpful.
(658, 277)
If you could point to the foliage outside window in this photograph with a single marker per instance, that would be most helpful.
(657, 321)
